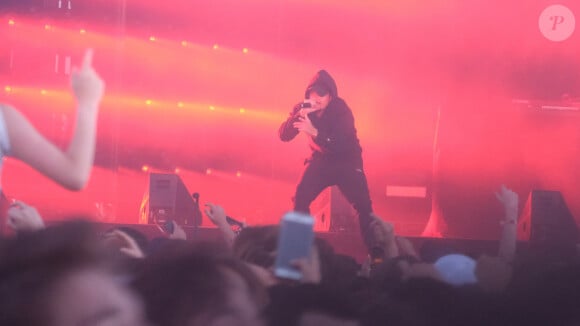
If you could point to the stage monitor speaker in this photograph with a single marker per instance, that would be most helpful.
(332, 212)
(546, 221)
(167, 198)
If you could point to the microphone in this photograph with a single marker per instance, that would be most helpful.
(197, 215)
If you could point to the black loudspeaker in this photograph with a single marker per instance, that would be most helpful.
(167, 198)
(332, 212)
(546, 221)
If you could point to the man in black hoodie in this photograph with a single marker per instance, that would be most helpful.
(336, 152)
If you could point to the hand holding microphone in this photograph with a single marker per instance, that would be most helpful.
(306, 108)
(305, 125)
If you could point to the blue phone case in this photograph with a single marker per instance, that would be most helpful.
(295, 241)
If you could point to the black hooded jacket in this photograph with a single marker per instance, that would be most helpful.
(337, 138)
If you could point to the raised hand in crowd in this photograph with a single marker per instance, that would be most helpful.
(124, 243)
(508, 239)
(23, 218)
(178, 232)
(309, 267)
(87, 86)
(510, 201)
(217, 216)
(70, 168)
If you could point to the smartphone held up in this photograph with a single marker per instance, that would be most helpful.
(294, 242)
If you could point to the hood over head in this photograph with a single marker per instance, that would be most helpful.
(322, 83)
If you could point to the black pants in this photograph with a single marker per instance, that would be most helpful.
(350, 179)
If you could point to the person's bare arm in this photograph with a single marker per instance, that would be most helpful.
(508, 239)
(217, 216)
(70, 168)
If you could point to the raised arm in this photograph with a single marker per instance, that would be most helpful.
(218, 217)
(508, 239)
(287, 131)
(70, 168)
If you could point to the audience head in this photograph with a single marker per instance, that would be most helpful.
(257, 245)
(183, 284)
(60, 276)
(456, 269)
(310, 305)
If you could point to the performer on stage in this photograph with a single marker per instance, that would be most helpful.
(336, 152)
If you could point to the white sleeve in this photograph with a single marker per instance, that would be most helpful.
(4, 140)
